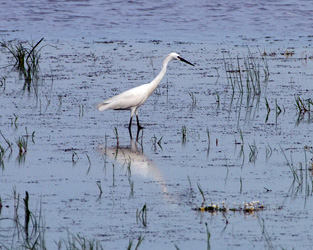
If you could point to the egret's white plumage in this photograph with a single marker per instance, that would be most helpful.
(133, 98)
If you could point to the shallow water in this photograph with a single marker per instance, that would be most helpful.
(82, 68)
(164, 20)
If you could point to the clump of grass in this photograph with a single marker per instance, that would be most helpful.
(76, 242)
(7, 141)
(28, 230)
(29, 234)
(291, 167)
(141, 215)
(303, 105)
(245, 73)
(22, 144)
(26, 59)
(253, 152)
(130, 244)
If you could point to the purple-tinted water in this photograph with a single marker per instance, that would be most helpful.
(96, 49)
(164, 20)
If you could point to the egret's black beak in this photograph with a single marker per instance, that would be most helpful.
(185, 61)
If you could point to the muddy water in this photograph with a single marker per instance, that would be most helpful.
(75, 146)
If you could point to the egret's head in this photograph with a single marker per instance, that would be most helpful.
(176, 56)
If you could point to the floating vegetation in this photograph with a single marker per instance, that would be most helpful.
(26, 59)
(246, 207)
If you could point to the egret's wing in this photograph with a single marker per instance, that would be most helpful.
(130, 98)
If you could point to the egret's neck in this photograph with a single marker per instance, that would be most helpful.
(160, 76)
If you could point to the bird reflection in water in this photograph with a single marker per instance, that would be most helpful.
(139, 163)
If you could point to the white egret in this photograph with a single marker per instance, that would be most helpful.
(133, 98)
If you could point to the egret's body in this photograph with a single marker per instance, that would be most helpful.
(133, 98)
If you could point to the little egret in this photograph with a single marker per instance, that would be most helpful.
(133, 98)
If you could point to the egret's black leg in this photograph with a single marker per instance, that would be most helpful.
(138, 125)
(130, 127)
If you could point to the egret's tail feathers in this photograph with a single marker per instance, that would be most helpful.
(102, 106)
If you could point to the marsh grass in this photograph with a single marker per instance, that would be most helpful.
(303, 107)
(209, 141)
(22, 143)
(75, 157)
(89, 163)
(244, 74)
(268, 109)
(2, 153)
(184, 134)
(26, 59)
(141, 215)
(131, 185)
(155, 141)
(7, 141)
(265, 234)
(130, 244)
(78, 242)
(208, 236)
(116, 136)
(28, 230)
(100, 188)
(253, 152)
(291, 167)
(202, 193)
